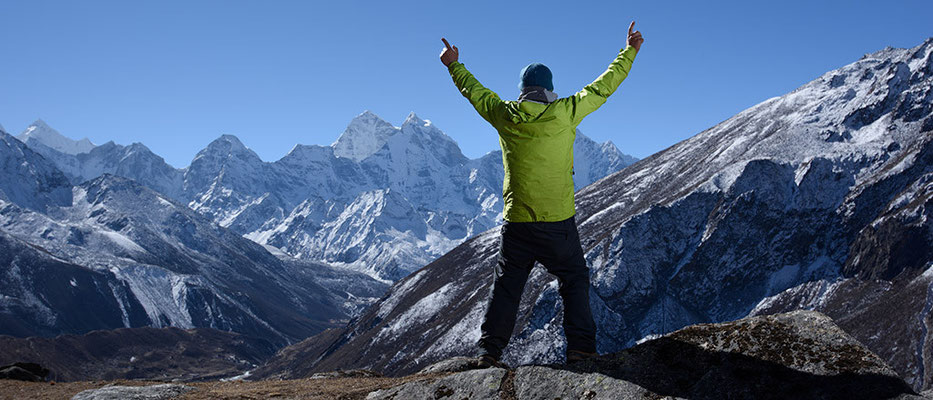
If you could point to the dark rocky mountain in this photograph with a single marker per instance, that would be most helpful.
(812, 200)
(28, 181)
(168, 354)
(39, 292)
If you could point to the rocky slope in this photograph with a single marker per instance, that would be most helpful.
(383, 200)
(112, 253)
(815, 199)
(795, 355)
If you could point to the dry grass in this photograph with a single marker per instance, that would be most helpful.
(325, 388)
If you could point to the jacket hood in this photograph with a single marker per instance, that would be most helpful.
(531, 104)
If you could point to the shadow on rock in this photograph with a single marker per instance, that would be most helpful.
(673, 368)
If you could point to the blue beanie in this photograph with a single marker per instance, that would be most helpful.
(536, 74)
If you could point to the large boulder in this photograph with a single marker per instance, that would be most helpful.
(473, 384)
(800, 354)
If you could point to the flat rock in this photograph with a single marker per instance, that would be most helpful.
(547, 383)
(475, 384)
(151, 392)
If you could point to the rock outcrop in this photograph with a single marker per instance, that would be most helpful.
(801, 354)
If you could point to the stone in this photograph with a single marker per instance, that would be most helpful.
(542, 382)
(475, 384)
(150, 392)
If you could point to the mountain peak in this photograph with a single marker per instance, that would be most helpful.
(40, 124)
(228, 145)
(368, 118)
(230, 138)
(40, 132)
(365, 135)
(228, 141)
(413, 119)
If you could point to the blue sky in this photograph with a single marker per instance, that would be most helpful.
(176, 75)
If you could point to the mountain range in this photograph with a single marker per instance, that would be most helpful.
(812, 200)
(112, 253)
(111, 236)
(382, 200)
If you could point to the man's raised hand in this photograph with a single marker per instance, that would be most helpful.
(449, 54)
(634, 37)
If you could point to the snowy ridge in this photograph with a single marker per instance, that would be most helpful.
(40, 132)
(382, 200)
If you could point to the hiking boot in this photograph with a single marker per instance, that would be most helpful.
(577, 356)
(488, 361)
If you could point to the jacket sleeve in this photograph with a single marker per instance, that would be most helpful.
(486, 102)
(595, 94)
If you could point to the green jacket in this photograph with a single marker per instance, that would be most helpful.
(537, 140)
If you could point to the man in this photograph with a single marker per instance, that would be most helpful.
(536, 134)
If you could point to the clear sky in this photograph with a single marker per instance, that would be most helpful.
(176, 75)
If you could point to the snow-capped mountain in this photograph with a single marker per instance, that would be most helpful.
(815, 199)
(138, 258)
(39, 133)
(28, 180)
(383, 200)
(135, 161)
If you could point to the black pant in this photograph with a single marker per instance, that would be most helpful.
(556, 245)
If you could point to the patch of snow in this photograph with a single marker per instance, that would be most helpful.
(648, 337)
(397, 294)
(238, 377)
(463, 334)
(122, 241)
(421, 311)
